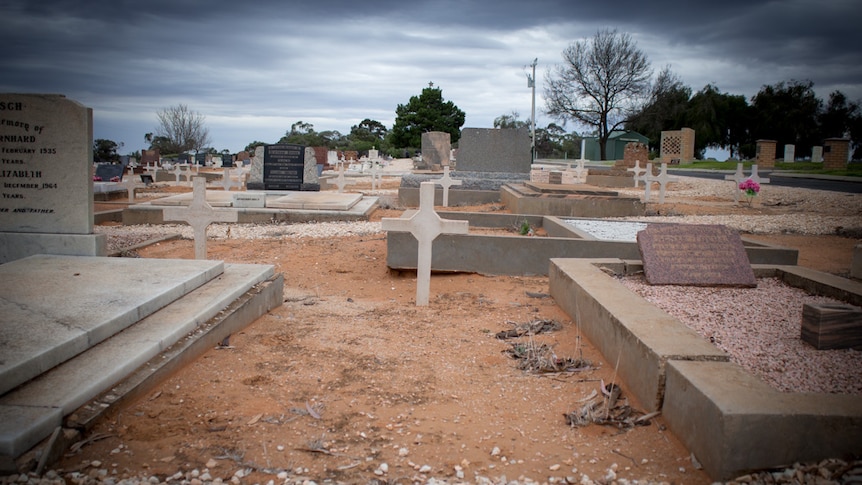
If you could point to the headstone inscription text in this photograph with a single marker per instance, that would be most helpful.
(45, 150)
(283, 167)
(695, 255)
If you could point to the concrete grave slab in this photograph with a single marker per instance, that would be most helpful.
(315, 201)
(256, 200)
(694, 254)
(32, 411)
(54, 307)
(215, 198)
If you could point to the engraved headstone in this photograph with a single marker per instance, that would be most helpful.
(283, 167)
(817, 154)
(694, 255)
(789, 153)
(46, 142)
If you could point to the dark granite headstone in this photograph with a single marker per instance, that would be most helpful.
(149, 158)
(494, 150)
(284, 168)
(694, 255)
(107, 171)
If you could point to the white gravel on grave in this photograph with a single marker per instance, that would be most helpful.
(760, 329)
(609, 230)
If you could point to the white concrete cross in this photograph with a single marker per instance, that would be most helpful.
(178, 171)
(199, 214)
(662, 178)
(638, 171)
(738, 177)
(376, 176)
(425, 225)
(446, 181)
(340, 181)
(227, 181)
(130, 185)
(580, 171)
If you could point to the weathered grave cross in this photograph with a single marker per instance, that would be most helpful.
(376, 178)
(446, 181)
(227, 181)
(580, 172)
(662, 178)
(425, 225)
(739, 177)
(199, 214)
(638, 172)
(130, 185)
(340, 181)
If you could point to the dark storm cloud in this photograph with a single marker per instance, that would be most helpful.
(255, 67)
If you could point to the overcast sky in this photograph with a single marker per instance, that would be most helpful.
(253, 68)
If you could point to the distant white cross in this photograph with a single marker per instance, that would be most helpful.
(579, 171)
(340, 181)
(738, 177)
(227, 181)
(425, 225)
(638, 172)
(199, 214)
(178, 171)
(446, 181)
(130, 184)
(376, 179)
(662, 178)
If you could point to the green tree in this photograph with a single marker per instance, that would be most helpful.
(179, 130)
(251, 146)
(665, 110)
(720, 120)
(842, 118)
(602, 83)
(302, 133)
(105, 151)
(788, 114)
(510, 121)
(424, 113)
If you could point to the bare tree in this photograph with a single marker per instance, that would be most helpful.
(602, 82)
(183, 129)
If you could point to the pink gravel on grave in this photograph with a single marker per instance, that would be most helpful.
(760, 329)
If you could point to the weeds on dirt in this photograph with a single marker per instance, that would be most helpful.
(608, 409)
(534, 327)
(541, 358)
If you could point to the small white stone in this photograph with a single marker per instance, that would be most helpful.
(495, 451)
(425, 469)
(281, 476)
(403, 452)
(554, 467)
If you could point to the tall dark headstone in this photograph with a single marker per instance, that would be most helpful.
(284, 168)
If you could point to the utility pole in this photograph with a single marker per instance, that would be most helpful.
(531, 83)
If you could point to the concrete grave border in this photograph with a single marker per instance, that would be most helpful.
(730, 420)
(479, 253)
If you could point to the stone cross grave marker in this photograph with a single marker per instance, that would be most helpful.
(376, 176)
(662, 178)
(340, 181)
(178, 171)
(199, 214)
(638, 172)
(130, 184)
(579, 171)
(447, 181)
(227, 180)
(425, 225)
(738, 177)
(695, 255)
